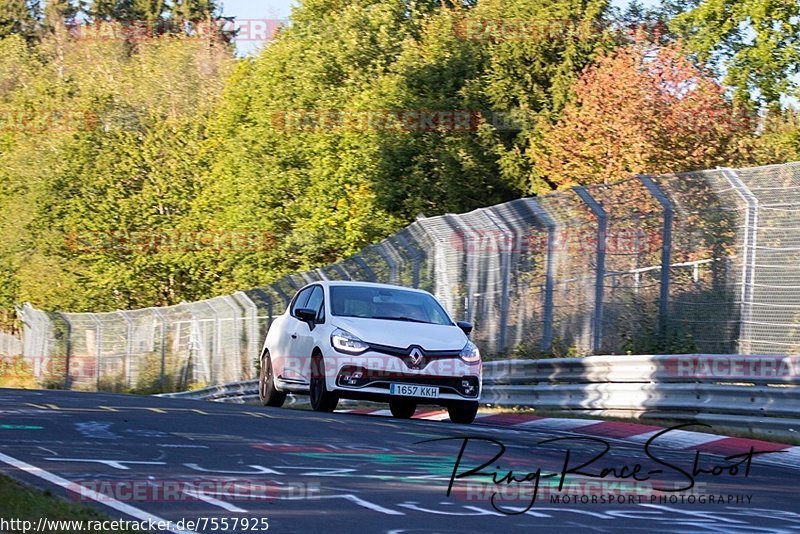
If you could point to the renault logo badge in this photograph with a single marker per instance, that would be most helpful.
(416, 356)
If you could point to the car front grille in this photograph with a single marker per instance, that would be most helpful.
(356, 377)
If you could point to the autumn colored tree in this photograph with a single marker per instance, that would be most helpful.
(642, 109)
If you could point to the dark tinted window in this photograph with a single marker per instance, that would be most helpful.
(302, 298)
(315, 302)
(386, 303)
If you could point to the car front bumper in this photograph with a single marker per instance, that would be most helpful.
(370, 375)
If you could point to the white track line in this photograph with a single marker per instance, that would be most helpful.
(85, 492)
(682, 439)
(557, 424)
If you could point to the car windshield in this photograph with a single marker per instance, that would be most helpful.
(387, 303)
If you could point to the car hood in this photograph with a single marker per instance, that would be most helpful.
(401, 334)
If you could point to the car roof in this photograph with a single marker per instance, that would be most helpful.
(329, 283)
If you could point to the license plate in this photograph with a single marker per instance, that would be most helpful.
(410, 390)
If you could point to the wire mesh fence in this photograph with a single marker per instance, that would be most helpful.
(697, 262)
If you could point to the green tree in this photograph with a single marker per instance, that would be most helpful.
(19, 17)
(755, 44)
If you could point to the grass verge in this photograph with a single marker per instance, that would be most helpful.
(24, 503)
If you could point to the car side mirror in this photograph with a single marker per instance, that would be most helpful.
(306, 314)
(465, 326)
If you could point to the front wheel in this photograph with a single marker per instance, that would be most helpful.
(463, 413)
(322, 400)
(402, 408)
(267, 393)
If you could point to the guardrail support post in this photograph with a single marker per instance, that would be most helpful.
(666, 252)
(600, 269)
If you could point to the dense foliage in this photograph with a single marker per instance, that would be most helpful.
(142, 163)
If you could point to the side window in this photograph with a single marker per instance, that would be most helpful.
(301, 299)
(316, 301)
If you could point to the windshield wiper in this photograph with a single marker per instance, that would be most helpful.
(396, 318)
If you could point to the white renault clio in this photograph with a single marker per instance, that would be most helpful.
(360, 340)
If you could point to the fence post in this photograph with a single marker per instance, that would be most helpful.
(666, 253)
(282, 294)
(366, 268)
(253, 340)
(748, 257)
(416, 258)
(600, 271)
(268, 300)
(505, 266)
(214, 359)
(549, 223)
(128, 346)
(387, 257)
(344, 275)
(67, 351)
(98, 346)
(163, 348)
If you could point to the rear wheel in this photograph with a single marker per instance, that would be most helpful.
(402, 408)
(267, 394)
(463, 413)
(322, 400)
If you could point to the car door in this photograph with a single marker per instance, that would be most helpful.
(287, 365)
(304, 343)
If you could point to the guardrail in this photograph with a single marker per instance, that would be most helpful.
(753, 393)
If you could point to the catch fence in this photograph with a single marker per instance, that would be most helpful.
(700, 262)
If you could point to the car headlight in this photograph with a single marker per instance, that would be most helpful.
(344, 341)
(470, 353)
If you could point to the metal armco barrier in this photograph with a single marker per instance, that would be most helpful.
(755, 393)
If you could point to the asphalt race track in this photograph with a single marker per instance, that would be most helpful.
(299, 471)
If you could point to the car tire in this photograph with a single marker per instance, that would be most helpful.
(267, 393)
(322, 400)
(463, 413)
(402, 408)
